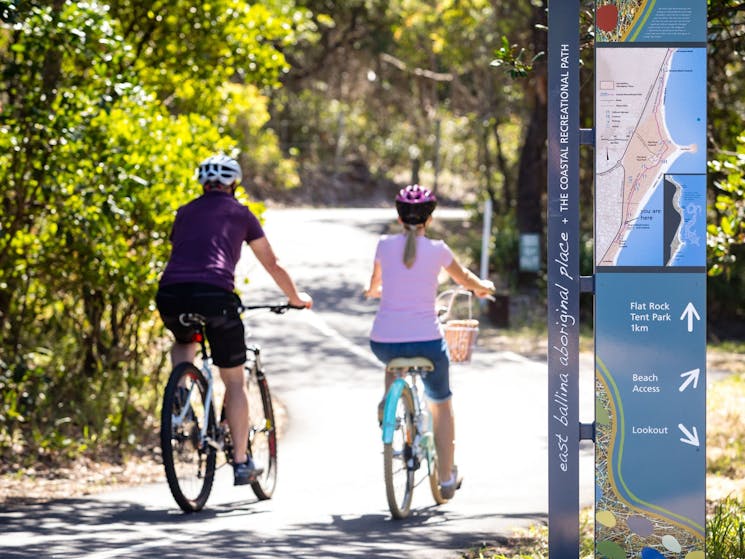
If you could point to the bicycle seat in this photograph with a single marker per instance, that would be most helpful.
(403, 364)
(192, 319)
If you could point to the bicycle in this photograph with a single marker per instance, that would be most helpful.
(408, 438)
(191, 438)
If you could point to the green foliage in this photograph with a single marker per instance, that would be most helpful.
(511, 57)
(726, 235)
(727, 230)
(97, 150)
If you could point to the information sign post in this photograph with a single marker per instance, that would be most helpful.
(563, 278)
(650, 278)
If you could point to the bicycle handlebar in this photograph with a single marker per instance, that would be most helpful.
(276, 309)
(463, 291)
(195, 319)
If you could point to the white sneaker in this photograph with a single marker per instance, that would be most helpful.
(448, 488)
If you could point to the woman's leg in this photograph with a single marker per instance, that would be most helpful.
(385, 352)
(443, 424)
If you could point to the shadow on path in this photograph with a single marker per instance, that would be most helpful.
(77, 528)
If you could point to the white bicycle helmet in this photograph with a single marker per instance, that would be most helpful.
(220, 168)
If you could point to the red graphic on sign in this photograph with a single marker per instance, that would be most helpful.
(606, 18)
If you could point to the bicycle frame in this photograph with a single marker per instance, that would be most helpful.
(253, 363)
(389, 409)
(424, 439)
(209, 402)
(191, 433)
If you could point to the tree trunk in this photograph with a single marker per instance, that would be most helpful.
(531, 180)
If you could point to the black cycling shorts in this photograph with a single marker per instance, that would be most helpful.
(224, 327)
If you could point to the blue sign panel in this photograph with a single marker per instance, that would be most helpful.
(650, 414)
(650, 278)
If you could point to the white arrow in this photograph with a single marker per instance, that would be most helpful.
(689, 313)
(690, 438)
(692, 378)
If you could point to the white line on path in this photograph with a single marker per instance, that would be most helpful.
(315, 320)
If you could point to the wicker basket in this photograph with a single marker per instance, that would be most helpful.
(460, 336)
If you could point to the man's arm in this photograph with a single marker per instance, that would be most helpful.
(265, 255)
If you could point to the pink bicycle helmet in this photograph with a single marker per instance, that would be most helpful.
(415, 204)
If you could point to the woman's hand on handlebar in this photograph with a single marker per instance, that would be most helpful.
(302, 301)
(485, 288)
(371, 292)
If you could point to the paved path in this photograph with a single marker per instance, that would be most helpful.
(330, 501)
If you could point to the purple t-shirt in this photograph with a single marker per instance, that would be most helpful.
(206, 240)
(407, 303)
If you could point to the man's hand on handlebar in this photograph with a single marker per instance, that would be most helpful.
(302, 301)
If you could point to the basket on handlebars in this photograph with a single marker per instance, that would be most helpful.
(459, 334)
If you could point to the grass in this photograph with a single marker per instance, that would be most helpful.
(725, 530)
(533, 543)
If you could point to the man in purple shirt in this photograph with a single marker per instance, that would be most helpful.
(206, 241)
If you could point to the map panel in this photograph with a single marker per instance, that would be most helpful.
(650, 145)
(650, 21)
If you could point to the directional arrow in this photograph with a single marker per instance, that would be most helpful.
(692, 378)
(690, 312)
(690, 438)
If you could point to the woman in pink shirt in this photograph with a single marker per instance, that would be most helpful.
(404, 276)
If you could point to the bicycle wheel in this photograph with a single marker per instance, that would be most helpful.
(434, 477)
(262, 434)
(397, 458)
(189, 462)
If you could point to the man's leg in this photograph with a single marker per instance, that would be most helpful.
(236, 402)
(183, 352)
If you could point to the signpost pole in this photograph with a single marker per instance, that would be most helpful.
(563, 285)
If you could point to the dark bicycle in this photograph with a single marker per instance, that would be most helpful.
(190, 435)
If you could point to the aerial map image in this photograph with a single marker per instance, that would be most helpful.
(650, 157)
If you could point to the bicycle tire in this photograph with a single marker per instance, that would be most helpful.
(262, 434)
(398, 472)
(434, 477)
(188, 462)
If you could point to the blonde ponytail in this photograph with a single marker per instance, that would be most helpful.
(410, 248)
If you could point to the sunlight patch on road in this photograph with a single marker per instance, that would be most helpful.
(315, 320)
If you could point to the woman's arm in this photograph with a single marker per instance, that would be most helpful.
(469, 280)
(376, 282)
(265, 255)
